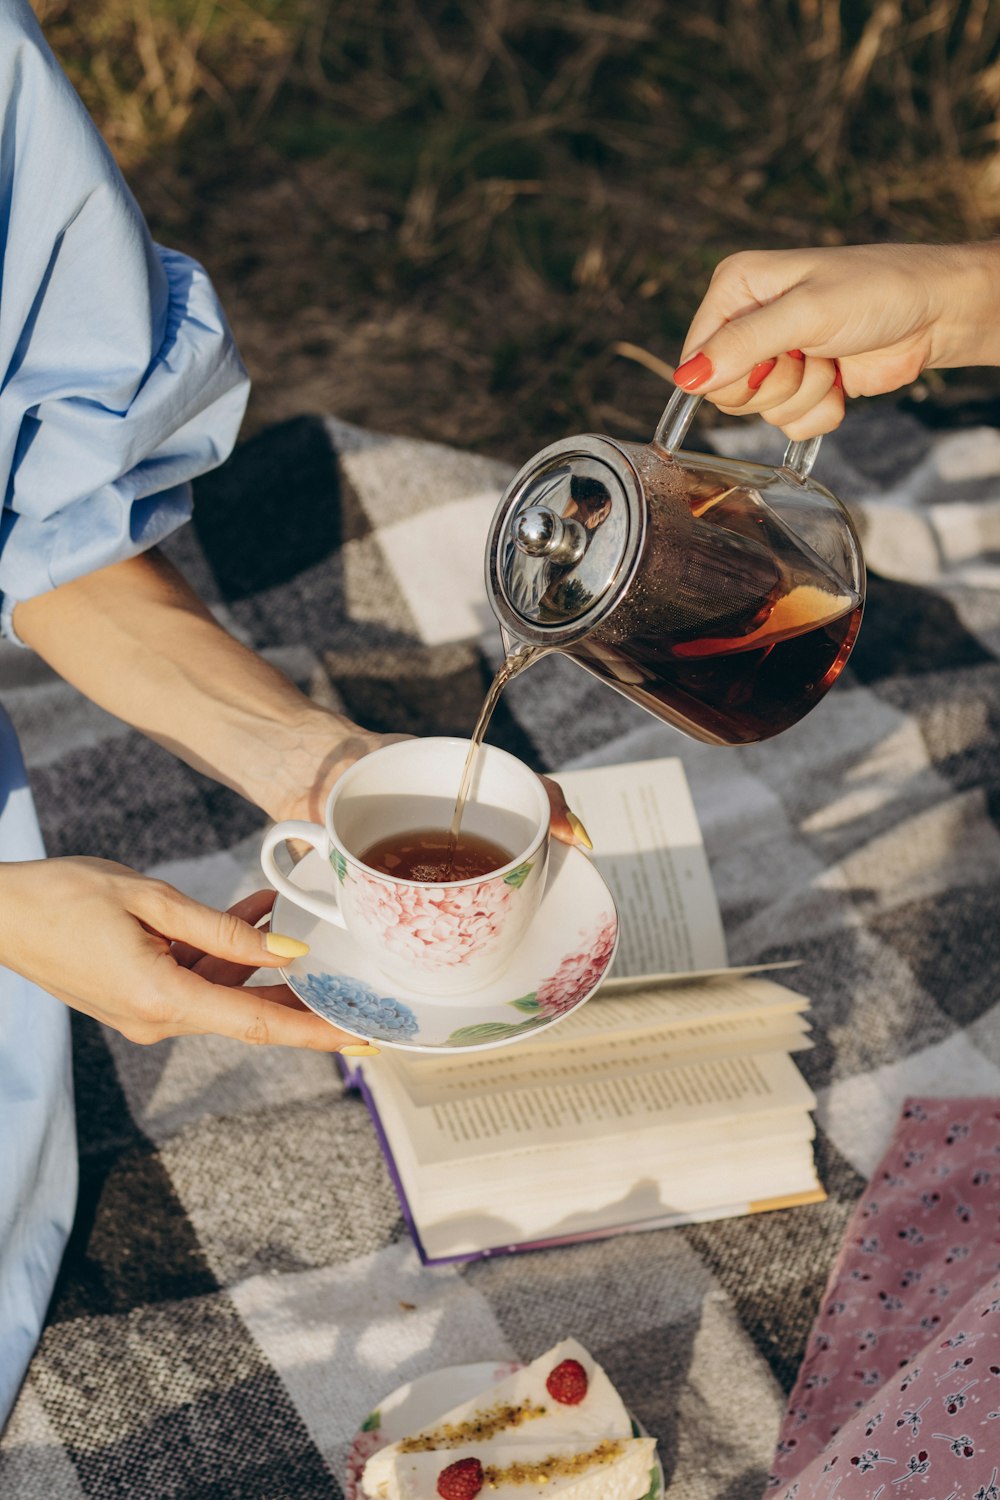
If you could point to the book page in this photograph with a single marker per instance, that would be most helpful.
(648, 847)
(615, 984)
(693, 1103)
(779, 1173)
(475, 1234)
(617, 1057)
(672, 1008)
(644, 1029)
(726, 1009)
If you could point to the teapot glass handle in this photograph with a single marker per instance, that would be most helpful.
(672, 427)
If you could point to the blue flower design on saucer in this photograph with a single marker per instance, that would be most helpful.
(357, 1007)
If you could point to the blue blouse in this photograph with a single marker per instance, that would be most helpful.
(118, 382)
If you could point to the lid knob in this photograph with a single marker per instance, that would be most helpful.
(539, 532)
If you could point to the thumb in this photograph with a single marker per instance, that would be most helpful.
(564, 823)
(223, 934)
(729, 354)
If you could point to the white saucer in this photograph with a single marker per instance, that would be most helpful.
(420, 1402)
(562, 960)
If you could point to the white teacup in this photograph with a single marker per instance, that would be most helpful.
(449, 937)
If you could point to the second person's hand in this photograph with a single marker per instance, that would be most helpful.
(786, 333)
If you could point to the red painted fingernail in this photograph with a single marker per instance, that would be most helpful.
(694, 371)
(838, 380)
(760, 372)
(796, 354)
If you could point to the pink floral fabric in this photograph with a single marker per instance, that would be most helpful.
(899, 1392)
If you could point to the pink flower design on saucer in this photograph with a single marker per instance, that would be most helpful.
(576, 976)
(456, 923)
(578, 972)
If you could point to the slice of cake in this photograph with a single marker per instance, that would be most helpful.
(562, 1403)
(608, 1469)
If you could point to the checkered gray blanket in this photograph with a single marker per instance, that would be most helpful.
(239, 1290)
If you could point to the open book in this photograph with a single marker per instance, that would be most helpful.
(666, 1099)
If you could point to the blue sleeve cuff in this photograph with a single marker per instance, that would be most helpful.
(149, 521)
(7, 620)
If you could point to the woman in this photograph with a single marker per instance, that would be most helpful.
(119, 381)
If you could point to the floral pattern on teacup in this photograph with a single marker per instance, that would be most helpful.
(446, 925)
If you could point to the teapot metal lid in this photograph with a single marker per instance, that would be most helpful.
(565, 540)
(568, 532)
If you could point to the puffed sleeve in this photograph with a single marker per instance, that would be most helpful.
(119, 379)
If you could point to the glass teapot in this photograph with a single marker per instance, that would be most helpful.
(722, 595)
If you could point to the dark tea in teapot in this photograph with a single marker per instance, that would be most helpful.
(735, 653)
(723, 596)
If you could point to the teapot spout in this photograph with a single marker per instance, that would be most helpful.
(510, 642)
(519, 654)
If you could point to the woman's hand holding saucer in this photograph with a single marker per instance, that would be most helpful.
(143, 958)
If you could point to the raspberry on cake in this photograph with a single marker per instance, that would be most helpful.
(461, 1481)
(556, 1427)
(568, 1383)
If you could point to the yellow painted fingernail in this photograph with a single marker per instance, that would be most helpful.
(579, 832)
(285, 947)
(359, 1049)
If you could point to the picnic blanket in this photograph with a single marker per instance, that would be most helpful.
(239, 1290)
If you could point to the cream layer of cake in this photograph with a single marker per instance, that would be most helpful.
(519, 1408)
(608, 1469)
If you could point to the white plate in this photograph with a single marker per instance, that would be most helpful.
(420, 1402)
(560, 963)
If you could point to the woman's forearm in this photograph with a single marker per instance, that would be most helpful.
(137, 641)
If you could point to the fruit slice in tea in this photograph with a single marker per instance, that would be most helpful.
(805, 607)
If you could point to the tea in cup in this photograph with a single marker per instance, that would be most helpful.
(436, 916)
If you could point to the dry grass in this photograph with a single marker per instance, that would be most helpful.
(489, 220)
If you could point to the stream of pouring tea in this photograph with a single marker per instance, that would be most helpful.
(513, 663)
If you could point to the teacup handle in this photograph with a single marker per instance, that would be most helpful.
(309, 833)
(679, 411)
